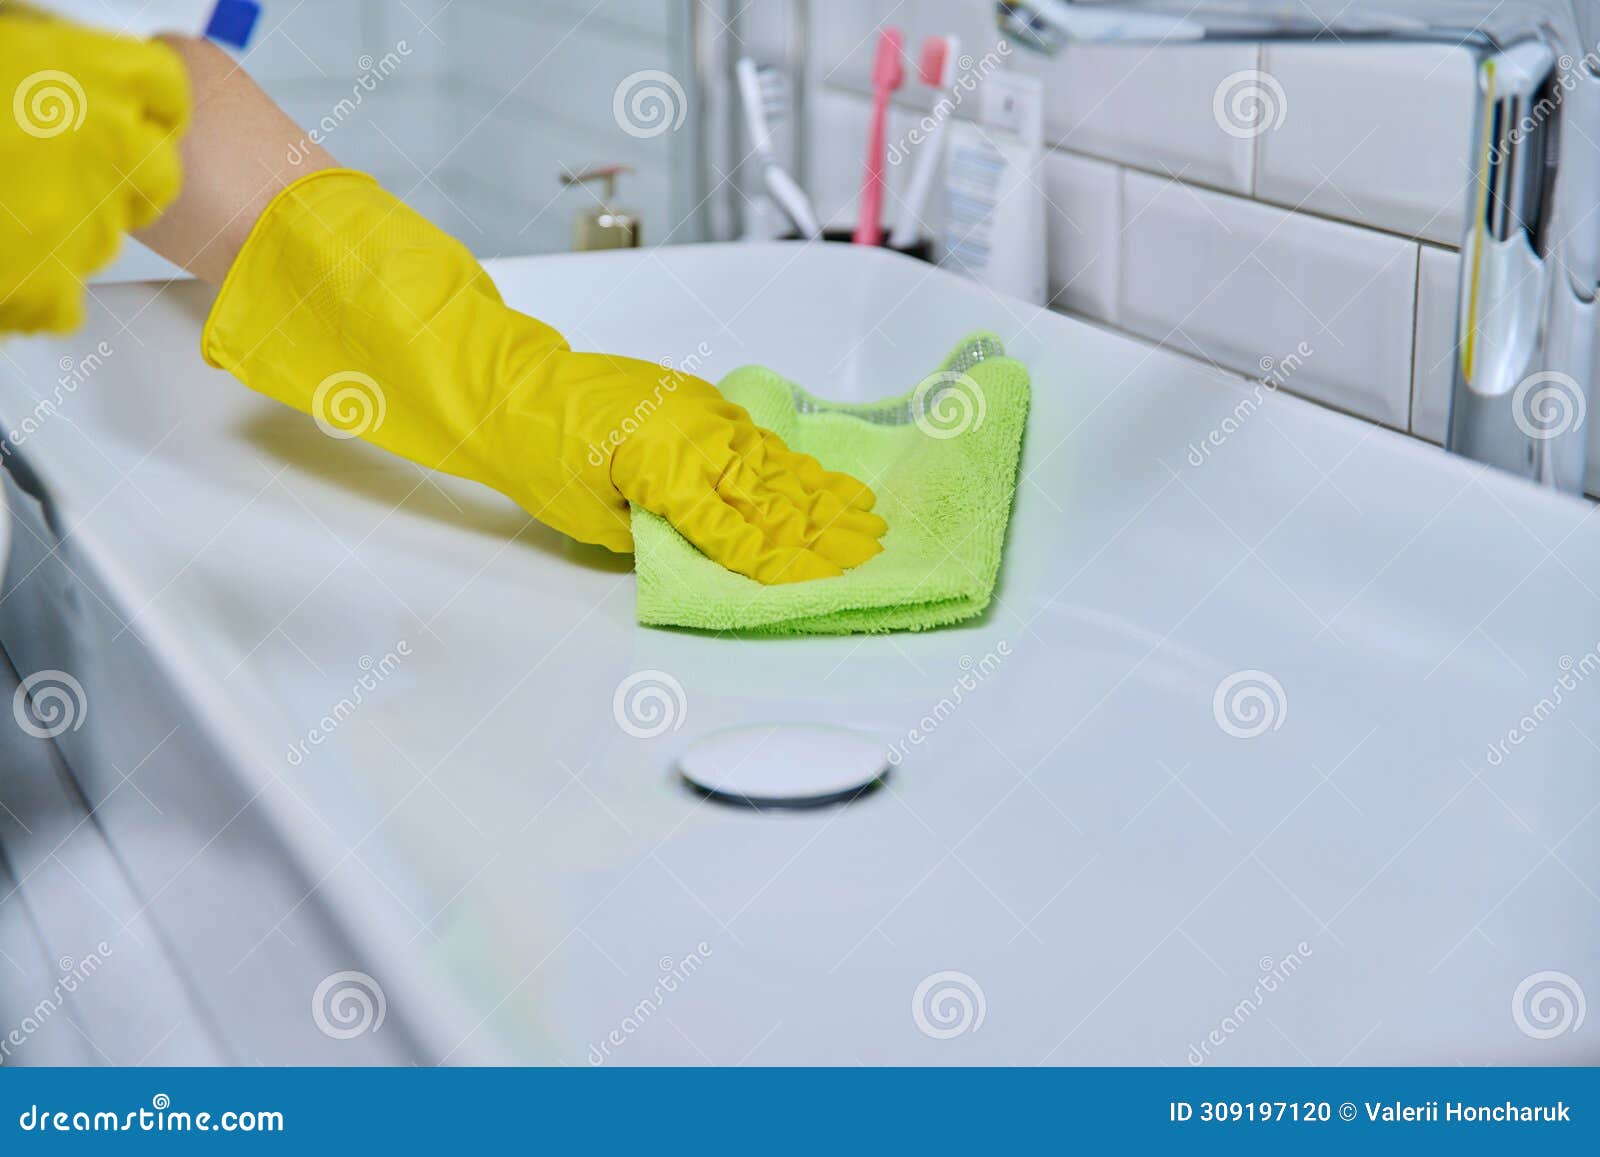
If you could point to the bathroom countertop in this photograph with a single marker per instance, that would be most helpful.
(1237, 718)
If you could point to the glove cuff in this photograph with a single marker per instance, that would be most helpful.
(219, 337)
(339, 280)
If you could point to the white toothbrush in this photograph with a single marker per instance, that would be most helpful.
(938, 71)
(762, 94)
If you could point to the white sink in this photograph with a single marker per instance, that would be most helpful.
(1081, 837)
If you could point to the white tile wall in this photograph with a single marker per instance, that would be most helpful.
(317, 40)
(1438, 276)
(1146, 109)
(838, 134)
(535, 55)
(1084, 218)
(428, 28)
(1380, 137)
(1245, 284)
(396, 133)
(1151, 109)
(490, 100)
(308, 56)
(1307, 230)
(529, 95)
(513, 164)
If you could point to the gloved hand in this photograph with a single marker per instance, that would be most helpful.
(346, 304)
(89, 131)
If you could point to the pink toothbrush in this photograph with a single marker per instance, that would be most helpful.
(888, 73)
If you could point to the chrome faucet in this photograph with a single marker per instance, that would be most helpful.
(1530, 270)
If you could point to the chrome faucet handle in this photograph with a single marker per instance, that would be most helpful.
(1491, 23)
(1530, 270)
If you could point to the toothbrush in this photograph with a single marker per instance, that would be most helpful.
(888, 73)
(938, 71)
(761, 92)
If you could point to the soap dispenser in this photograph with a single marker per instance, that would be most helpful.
(602, 227)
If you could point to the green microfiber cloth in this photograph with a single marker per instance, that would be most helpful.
(942, 459)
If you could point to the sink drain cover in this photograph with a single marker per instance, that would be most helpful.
(785, 764)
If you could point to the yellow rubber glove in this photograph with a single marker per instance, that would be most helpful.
(89, 131)
(346, 304)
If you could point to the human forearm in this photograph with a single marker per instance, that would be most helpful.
(235, 160)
